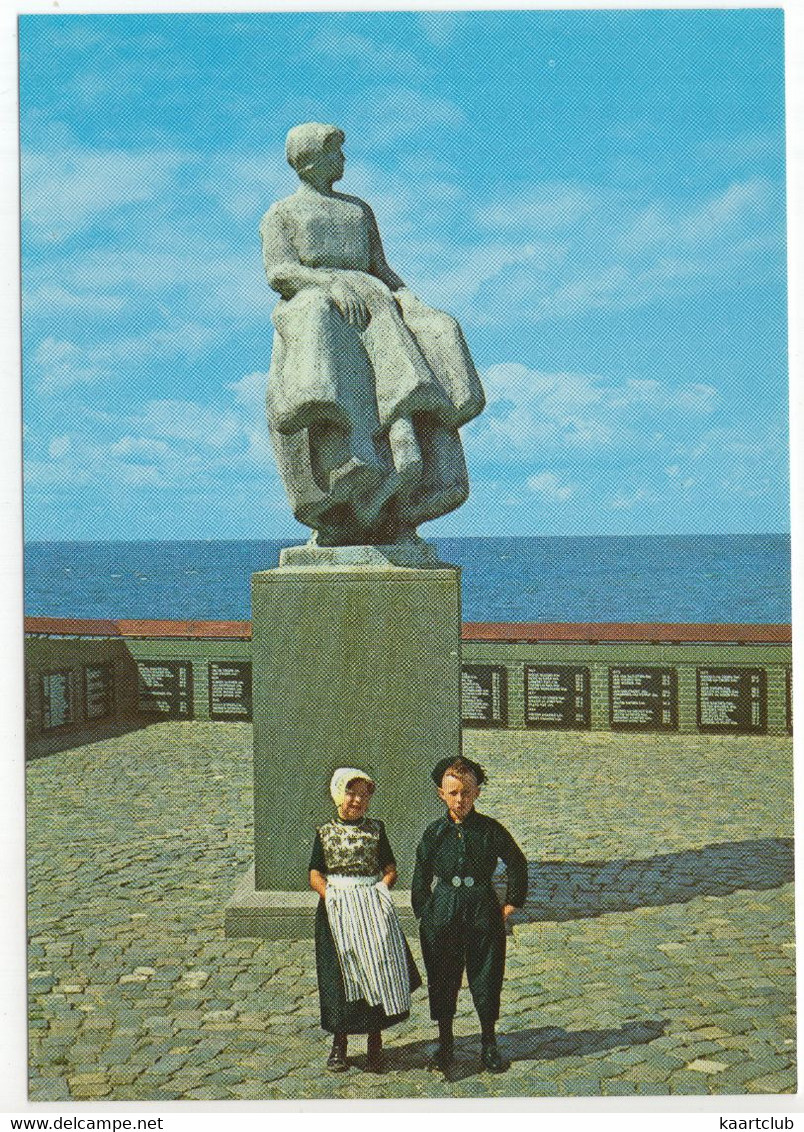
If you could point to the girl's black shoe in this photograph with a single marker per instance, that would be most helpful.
(336, 1062)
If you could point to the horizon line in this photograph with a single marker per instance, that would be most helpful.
(433, 538)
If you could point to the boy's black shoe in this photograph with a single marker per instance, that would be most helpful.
(444, 1057)
(492, 1059)
(336, 1062)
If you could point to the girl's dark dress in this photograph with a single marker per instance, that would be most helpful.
(351, 848)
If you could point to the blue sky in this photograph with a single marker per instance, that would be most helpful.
(598, 196)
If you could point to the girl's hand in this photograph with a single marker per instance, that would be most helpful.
(389, 877)
(507, 910)
(318, 883)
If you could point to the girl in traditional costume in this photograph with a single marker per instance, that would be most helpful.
(365, 969)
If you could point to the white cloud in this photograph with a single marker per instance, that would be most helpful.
(250, 390)
(368, 54)
(140, 475)
(438, 26)
(550, 488)
(63, 363)
(530, 412)
(547, 205)
(585, 247)
(168, 444)
(744, 148)
(139, 446)
(189, 421)
(49, 300)
(403, 112)
(473, 270)
(59, 446)
(627, 501)
(700, 224)
(247, 184)
(249, 394)
(65, 190)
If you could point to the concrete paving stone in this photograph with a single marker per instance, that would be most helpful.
(615, 1087)
(85, 1080)
(97, 1023)
(579, 1085)
(91, 1092)
(150, 1051)
(202, 1093)
(647, 1071)
(161, 1093)
(56, 1072)
(49, 1090)
(780, 1082)
(768, 1059)
(706, 1065)
(249, 1091)
(631, 1055)
(122, 1074)
(169, 1063)
(83, 1050)
(737, 1075)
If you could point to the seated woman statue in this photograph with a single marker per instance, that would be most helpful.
(368, 386)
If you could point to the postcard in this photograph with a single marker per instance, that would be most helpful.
(408, 649)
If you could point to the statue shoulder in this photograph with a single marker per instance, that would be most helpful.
(363, 205)
(276, 214)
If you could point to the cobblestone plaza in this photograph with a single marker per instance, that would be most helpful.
(655, 954)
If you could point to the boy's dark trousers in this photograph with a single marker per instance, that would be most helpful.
(463, 928)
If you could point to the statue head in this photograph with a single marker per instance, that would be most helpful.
(314, 148)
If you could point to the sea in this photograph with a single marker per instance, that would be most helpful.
(677, 578)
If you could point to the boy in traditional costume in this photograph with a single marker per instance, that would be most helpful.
(462, 923)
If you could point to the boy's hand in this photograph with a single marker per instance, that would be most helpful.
(507, 910)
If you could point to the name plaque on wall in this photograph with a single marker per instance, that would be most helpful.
(98, 690)
(643, 699)
(230, 690)
(56, 705)
(732, 699)
(165, 688)
(557, 696)
(484, 695)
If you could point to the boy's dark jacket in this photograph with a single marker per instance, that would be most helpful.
(469, 849)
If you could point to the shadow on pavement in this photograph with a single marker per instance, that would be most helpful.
(543, 1044)
(571, 890)
(81, 736)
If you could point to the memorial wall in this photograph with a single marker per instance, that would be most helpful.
(711, 679)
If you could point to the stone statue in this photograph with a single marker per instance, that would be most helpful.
(368, 386)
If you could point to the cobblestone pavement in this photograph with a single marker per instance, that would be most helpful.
(655, 955)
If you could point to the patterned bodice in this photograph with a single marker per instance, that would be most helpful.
(352, 850)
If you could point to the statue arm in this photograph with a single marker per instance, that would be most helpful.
(287, 275)
(282, 267)
(379, 264)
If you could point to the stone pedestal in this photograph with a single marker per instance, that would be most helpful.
(354, 663)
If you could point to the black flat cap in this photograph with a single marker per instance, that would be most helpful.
(460, 764)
